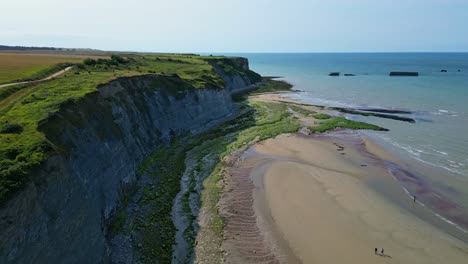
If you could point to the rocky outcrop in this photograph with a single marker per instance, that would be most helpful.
(61, 215)
(236, 75)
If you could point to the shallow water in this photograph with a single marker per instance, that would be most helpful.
(436, 146)
(439, 100)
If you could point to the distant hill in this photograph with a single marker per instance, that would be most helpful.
(24, 48)
(4, 47)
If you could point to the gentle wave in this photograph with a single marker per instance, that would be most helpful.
(444, 112)
(408, 193)
(306, 97)
(451, 223)
(457, 167)
(415, 153)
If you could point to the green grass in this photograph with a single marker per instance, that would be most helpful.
(270, 85)
(46, 72)
(29, 105)
(341, 122)
(23, 67)
(322, 116)
(5, 92)
(301, 110)
(10, 128)
(233, 66)
(118, 221)
(380, 115)
(158, 231)
(265, 120)
(258, 121)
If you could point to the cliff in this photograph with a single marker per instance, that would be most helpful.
(61, 215)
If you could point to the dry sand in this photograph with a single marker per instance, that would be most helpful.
(316, 204)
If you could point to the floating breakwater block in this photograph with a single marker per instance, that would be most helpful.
(404, 73)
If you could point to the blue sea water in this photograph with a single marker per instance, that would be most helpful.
(436, 145)
(438, 100)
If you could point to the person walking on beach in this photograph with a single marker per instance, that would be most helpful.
(381, 252)
(414, 198)
(375, 251)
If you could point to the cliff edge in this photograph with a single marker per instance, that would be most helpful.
(95, 144)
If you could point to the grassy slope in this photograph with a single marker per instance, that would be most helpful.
(27, 105)
(22, 67)
(271, 85)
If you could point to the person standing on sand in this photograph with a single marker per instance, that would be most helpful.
(381, 251)
(414, 198)
(375, 250)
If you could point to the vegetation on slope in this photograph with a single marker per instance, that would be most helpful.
(259, 121)
(381, 115)
(233, 66)
(156, 227)
(301, 110)
(28, 105)
(22, 146)
(321, 116)
(154, 231)
(272, 85)
(268, 120)
(341, 122)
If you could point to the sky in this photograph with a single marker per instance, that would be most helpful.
(238, 25)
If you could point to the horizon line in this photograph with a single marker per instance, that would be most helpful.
(226, 52)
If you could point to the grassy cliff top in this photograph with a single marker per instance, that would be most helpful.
(22, 107)
(23, 66)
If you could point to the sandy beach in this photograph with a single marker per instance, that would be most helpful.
(317, 199)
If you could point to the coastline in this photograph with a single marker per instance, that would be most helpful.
(439, 195)
(315, 196)
(315, 202)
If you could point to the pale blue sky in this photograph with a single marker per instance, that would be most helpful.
(238, 26)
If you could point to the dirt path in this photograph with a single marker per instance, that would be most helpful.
(41, 80)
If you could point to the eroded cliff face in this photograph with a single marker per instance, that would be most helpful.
(61, 216)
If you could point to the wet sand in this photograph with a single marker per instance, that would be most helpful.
(327, 200)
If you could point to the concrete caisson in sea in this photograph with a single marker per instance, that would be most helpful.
(398, 73)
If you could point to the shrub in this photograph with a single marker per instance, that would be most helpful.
(89, 62)
(341, 122)
(102, 61)
(9, 128)
(118, 59)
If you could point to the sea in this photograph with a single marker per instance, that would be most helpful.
(435, 147)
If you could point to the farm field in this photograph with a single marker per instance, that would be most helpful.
(24, 67)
